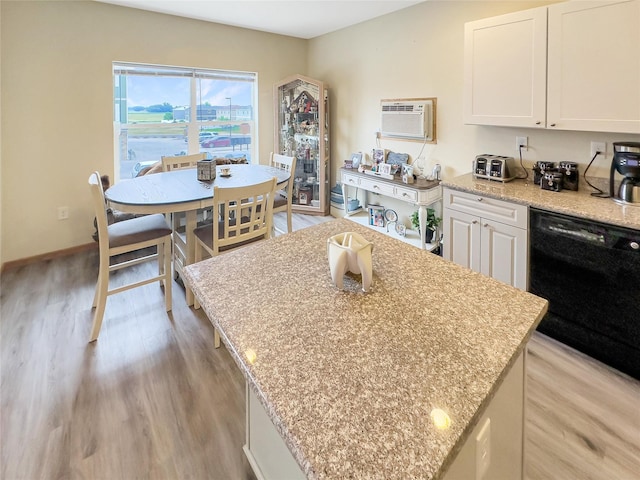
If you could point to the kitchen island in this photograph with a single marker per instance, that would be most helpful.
(392, 383)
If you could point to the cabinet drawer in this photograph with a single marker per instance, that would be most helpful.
(377, 187)
(350, 180)
(406, 194)
(487, 207)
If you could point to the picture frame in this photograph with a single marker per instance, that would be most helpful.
(376, 215)
(384, 168)
(407, 169)
(356, 159)
(378, 155)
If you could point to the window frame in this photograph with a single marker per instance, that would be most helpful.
(192, 128)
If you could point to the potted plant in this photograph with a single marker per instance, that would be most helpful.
(432, 223)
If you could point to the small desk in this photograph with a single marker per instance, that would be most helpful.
(181, 191)
(422, 193)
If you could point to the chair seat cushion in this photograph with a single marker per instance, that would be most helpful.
(138, 230)
(205, 234)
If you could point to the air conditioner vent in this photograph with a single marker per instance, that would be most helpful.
(397, 108)
(411, 119)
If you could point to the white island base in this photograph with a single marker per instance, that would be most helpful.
(493, 449)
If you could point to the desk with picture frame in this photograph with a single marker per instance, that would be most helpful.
(422, 194)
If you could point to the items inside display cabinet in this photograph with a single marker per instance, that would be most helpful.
(302, 131)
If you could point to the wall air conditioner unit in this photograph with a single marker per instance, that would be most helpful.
(408, 119)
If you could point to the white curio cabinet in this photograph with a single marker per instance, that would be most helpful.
(302, 131)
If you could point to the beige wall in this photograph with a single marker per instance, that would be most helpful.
(418, 52)
(57, 96)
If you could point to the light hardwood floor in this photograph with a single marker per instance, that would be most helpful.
(152, 398)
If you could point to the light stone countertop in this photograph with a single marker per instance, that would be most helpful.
(349, 378)
(578, 203)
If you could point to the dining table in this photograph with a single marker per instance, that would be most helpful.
(180, 191)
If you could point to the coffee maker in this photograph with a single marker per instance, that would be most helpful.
(626, 161)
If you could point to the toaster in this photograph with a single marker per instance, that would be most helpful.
(494, 167)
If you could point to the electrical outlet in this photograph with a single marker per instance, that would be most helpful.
(483, 450)
(598, 147)
(63, 213)
(522, 142)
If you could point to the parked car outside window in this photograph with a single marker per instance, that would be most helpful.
(216, 142)
(203, 136)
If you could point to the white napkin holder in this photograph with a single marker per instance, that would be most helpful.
(350, 252)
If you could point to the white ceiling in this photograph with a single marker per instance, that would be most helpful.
(296, 18)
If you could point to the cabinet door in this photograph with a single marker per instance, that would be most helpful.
(504, 253)
(594, 66)
(506, 86)
(461, 239)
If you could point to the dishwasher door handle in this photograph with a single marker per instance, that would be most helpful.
(582, 234)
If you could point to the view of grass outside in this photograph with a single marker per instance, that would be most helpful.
(153, 114)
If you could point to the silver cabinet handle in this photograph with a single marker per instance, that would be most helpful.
(475, 222)
(480, 199)
(376, 186)
(553, 125)
(486, 225)
(405, 194)
(538, 123)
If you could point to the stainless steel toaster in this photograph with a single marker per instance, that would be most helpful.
(494, 167)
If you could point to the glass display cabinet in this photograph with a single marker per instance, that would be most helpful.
(302, 131)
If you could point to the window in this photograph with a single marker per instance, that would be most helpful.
(153, 114)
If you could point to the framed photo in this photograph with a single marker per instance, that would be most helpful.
(407, 169)
(356, 159)
(384, 168)
(377, 155)
(376, 215)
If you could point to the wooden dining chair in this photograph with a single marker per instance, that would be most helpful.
(245, 216)
(178, 219)
(284, 195)
(180, 162)
(124, 237)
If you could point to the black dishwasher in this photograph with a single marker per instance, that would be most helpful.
(590, 274)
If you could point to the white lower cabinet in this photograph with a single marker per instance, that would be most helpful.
(486, 235)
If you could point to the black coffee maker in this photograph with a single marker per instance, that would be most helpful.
(626, 161)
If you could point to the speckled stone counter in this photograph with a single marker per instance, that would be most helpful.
(580, 203)
(349, 378)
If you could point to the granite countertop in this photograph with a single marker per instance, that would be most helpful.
(578, 203)
(349, 378)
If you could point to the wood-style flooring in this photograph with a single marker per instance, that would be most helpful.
(152, 398)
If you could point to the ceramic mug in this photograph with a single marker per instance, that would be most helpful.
(225, 171)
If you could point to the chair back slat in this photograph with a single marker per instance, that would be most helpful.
(245, 213)
(285, 189)
(181, 162)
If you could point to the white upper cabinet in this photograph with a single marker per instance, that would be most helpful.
(594, 66)
(578, 69)
(505, 69)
